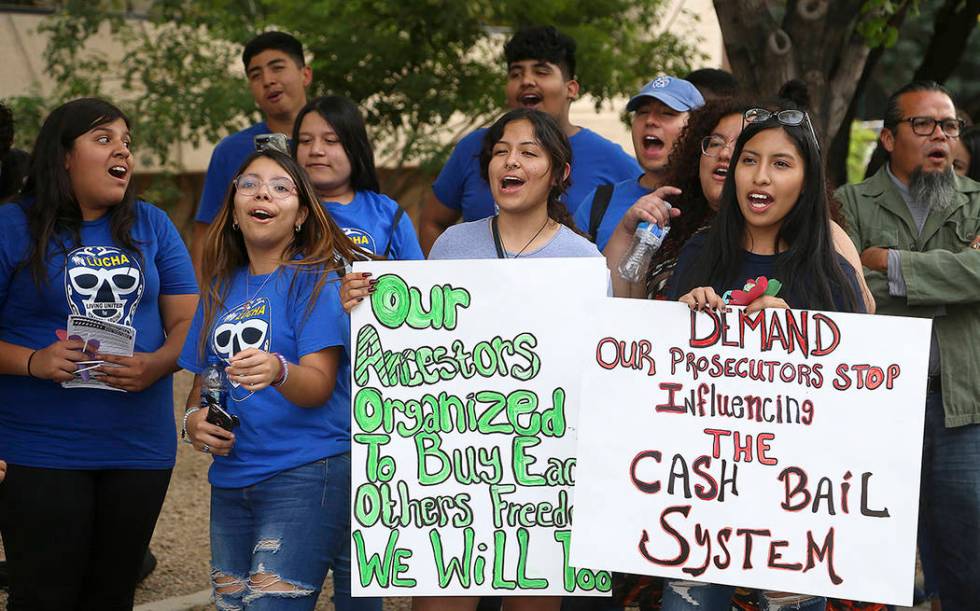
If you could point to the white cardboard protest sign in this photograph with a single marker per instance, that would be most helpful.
(465, 383)
(789, 462)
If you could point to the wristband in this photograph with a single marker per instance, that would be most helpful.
(283, 370)
(29, 359)
(183, 431)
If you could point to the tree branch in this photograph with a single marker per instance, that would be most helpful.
(955, 21)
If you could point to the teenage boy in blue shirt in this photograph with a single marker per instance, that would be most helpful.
(660, 113)
(277, 76)
(541, 75)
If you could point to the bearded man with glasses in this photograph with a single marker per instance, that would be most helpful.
(917, 227)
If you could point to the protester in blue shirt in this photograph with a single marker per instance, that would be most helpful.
(540, 75)
(660, 111)
(280, 495)
(277, 77)
(87, 468)
(330, 142)
(772, 225)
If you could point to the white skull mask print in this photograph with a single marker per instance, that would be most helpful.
(103, 282)
(248, 325)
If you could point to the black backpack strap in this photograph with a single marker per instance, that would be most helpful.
(394, 225)
(497, 244)
(600, 203)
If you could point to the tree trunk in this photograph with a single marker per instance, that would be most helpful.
(840, 146)
(817, 42)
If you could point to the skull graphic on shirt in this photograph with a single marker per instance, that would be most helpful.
(103, 282)
(248, 325)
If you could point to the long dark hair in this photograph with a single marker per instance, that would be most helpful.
(555, 143)
(315, 248)
(809, 266)
(54, 215)
(343, 115)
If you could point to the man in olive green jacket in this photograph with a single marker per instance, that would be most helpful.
(917, 227)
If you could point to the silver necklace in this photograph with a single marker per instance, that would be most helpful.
(248, 280)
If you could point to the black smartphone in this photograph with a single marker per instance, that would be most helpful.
(275, 142)
(219, 417)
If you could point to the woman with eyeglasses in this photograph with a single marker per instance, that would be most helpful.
(271, 317)
(698, 169)
(87, 467)
(772, 222)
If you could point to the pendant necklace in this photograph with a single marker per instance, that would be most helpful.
(498, 243)
(248, 276)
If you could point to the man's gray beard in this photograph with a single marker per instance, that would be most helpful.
(934, 189)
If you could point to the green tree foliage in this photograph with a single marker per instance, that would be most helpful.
(417, 67)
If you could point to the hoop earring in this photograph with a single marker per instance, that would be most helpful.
(234, 225)
(298, 227)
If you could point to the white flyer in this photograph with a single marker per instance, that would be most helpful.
(99, 336)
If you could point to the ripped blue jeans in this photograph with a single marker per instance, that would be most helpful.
(273, 543)
(681, 595)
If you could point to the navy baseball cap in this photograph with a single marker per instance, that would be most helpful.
(675, 92)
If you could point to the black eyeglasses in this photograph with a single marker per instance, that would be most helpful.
(926, 126)
(784, 117)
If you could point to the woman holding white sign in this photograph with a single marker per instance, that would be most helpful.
(526, 159)
(270, 341)
(773, 228)
(88, 465)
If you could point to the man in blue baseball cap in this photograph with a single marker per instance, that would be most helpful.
(660, 112)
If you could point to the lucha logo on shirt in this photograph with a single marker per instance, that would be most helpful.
(248, 325)
(103, 282)
(361, 238)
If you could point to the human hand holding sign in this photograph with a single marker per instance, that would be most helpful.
(354, 287)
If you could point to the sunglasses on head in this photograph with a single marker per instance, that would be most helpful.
(783, 117)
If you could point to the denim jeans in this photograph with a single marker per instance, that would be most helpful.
(949, 506)
(681, 595)
(290, 528)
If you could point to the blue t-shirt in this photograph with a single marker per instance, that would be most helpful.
(227, 157)
(367, 222)
(45, 425)
(753, 266)
(595, 161)
(623, 196)
(276, 435)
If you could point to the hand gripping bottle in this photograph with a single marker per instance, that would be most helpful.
(646, 241)
(214, 395)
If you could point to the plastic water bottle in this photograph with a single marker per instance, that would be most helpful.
(214, 395)
(214, 385)
(646, 241)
